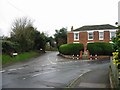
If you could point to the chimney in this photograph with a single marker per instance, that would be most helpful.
(72, 28)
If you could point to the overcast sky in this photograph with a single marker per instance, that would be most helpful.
(49, 15)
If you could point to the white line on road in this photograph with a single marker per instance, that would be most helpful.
(86, 71)
(24, 78)
(47, 65)
(44, 73)
(2, 71)
(20, 68)
(12, 69)
(51, 62)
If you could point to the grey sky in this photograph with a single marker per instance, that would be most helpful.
(49, 15)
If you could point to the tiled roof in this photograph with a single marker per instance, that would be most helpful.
(95, 27)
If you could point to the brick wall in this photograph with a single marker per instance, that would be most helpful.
(83, 37)
(70, 37)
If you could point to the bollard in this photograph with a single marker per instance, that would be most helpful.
(73, 57)
(90, 57)
(77, 57)
(95, 56)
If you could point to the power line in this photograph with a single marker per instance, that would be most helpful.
(20, 10)
(11, 4)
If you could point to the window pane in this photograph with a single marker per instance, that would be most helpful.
(76, 36)
(101, 35)
(113, 34)
(90, 35)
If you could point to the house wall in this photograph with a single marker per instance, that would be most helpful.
(70, 37)
(83, 37)
(106, 36)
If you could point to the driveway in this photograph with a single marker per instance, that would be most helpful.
(52, 71)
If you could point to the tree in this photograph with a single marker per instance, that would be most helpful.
(51, 41)
(40, 41)
(22, 33)
(27, 36)
(60, 37)
(116, 42)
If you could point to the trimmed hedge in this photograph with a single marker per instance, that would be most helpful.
(71, 49)
(100, 48)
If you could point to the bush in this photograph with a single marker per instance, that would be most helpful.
(71, 49)
(7, 46)
(100, 48)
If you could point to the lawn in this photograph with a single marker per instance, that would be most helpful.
(6, 59)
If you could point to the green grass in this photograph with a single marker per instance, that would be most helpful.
(6, 59)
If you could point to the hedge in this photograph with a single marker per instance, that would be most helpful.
(8, 47)
(71, 49)
(100, 48)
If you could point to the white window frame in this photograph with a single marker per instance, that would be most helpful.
(76, 42)
(92, 35)
(75, 35)
(101, 35)
(111, 34)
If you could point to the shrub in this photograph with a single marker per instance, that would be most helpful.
(100, 48)
(71, 49)
(8, 47)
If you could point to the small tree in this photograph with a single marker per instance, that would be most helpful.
(60, 37)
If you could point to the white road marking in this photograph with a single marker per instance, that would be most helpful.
(24, 78)
(47, 65)
(19, 68)
(44, 73)
(86, 71)
(43, 65)
(2, 71)
(51, 62)
(12, 69)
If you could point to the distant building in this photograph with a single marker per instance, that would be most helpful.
(92, 33)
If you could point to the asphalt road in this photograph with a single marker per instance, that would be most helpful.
(52, 71)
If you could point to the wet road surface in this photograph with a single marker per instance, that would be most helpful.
(52, 71)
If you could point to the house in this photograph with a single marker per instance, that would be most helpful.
(91, 33)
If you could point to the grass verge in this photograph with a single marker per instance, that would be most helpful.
(6, 59)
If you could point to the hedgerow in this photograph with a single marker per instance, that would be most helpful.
(100, 48)
(71, 49)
